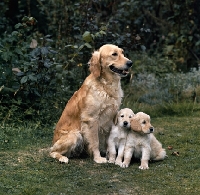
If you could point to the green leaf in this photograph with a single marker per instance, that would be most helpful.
(32, 77)
(44, 50)
(24, 80)
(18, 51)
(169, 48)
(52, 51)
(190, 38)
(88, 45)
(6, 56)
(15, 33)
(18, 25)
(81, 47)
(59, 67)
(87, 36)
(47, 36)
(49, 40)
(102, 32)
(143, 47)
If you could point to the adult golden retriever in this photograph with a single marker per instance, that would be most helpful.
(90, 111)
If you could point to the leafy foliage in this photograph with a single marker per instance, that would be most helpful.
(45, 46)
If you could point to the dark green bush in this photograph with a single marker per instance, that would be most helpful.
(43, 58)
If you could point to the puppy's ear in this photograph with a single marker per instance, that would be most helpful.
(115, 119)
(94, 63)
(135, 125)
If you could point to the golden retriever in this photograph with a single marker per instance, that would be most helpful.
(141, 143)
(90, 111)
(118, 135)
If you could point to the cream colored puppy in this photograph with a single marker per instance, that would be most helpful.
(118, 135)
(141, 143)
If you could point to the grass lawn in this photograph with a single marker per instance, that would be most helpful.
(26, 168)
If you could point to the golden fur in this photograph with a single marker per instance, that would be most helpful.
(90, 111)
(141, 143)
(118, 135)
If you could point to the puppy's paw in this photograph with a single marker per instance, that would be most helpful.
(111, 160)
(143, 167)
(124, 165)
(63, 159)
(117, 162)
(100, 160)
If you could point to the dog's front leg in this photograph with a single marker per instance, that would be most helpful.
(145, 158)
(128, 152)
(111, 150)
(120, 155)
(90, 131)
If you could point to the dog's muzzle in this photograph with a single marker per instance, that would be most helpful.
(151, 129)
(129, 63)
(122, 72)
(125, 123)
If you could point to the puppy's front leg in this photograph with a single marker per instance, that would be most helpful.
(90, 130)
(128, 152)
(145, 158)
(120, 155)
(111, 150)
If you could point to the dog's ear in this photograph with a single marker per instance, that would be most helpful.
(94, 63)
(115, 119)
(135, 125)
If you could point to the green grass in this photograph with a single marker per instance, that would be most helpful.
(26, 168)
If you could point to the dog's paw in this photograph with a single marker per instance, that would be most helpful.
(111, 161)
(118, 163)
(143, 167)
(63, 159)
(100, 160)
(124, 165)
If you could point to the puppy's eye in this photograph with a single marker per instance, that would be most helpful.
(115, 54)
(144, 122)
(122, 115)
(130, 116)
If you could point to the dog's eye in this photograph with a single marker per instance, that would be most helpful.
(115, 54)
(130, 116)
(122, 115)
(144, 122)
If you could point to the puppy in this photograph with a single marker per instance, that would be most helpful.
(118, 135)
(141, 143)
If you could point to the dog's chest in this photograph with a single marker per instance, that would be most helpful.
(108, 106)
(107, 113)
(138, 142)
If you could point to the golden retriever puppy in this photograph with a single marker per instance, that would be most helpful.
(141, 143)
(118, 135)
(89, 112)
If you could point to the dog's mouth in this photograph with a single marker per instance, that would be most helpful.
(121, 72)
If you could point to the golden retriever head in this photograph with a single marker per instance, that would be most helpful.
(109, 59)
(123, 117)
(141, 123)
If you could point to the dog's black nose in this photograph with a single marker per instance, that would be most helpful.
(129, 63)
(125, 123)
(151, 129)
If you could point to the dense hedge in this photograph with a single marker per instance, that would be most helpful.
(45, 45)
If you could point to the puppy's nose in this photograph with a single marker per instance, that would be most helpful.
(151, 129)
(129, 63)
(125, 123)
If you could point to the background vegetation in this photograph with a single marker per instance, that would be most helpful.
(45, 47)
